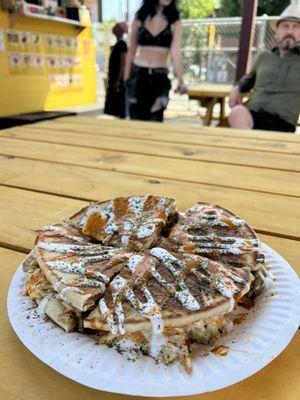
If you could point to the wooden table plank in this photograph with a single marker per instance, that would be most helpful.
(210, 154)
(24, 377)
(198, 138)
(288, 249)
(250, 178)
(208, 95)
(184, 129)
(89, 184)
(209, 90)
(23, 211)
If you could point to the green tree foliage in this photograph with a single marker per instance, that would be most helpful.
(233, 8)
(196, 8)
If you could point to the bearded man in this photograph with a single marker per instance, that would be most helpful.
(274, 82)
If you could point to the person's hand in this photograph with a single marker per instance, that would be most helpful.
(235, 97)
(181, 89)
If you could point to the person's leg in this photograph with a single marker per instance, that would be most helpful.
(159, 87)
(122, 102)
(240, 118)
(157, 116)
(136, 112)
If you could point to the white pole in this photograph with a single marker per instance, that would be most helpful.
(127, 11)
(120, 10)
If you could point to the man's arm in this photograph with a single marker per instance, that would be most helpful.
(243, 86)
(247, 82)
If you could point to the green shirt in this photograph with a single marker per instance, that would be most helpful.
(275, 84)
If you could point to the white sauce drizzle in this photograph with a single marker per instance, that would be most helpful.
(125, 240)
(107, 315)
(61, 247)
(76, 268)
(118, 283)
(151, 311)
(225, 286)
(120, 317)
(183, 295)
(136, 204)
(145, 231)
(86, 249)
(133, 262)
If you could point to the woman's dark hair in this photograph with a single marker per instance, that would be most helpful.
(149, 7)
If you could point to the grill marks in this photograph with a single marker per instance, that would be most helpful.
(206, 258)
(78, 266)
(150, 284)
(133, 222)
(163, 281)
(217, 234)
(133, 264)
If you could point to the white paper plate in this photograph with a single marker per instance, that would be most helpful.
(267, 330)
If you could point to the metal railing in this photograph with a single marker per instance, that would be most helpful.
(210, 47)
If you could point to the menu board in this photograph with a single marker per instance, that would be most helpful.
(2, 47)
(25, 52)
(37, 53)
(64, 66)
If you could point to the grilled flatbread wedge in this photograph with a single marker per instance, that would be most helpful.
(77, 269)
(161, 292)
(49, 303)
(134, 222)
(216, 233)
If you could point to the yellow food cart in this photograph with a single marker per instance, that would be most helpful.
(47, 62)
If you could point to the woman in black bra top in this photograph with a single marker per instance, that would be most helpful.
(155, 33)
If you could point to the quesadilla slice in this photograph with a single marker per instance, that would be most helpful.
(134, 222)
(160, 293)
(218, 234)
(71, 268)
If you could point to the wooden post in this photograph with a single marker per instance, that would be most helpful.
(100, 14)
(246, 37)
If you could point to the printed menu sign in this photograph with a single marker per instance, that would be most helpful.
(2, 47)
(36, 53)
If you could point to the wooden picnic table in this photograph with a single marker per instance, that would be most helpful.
(51, 169)
(208, 96)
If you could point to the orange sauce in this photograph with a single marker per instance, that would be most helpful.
(120, 207)
(188, 249)
(229, 223)
(220, 350)
(94, 225)
(246, 303)
(160, 214)
(150, 202)
(239, 319)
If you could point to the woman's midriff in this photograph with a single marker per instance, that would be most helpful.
(152, 57)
